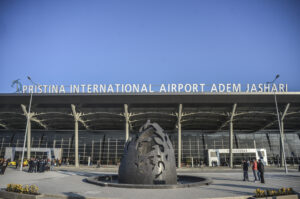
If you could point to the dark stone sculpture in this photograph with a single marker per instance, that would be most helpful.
(148, 158)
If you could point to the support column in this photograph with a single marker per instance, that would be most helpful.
(100, 148)
(76, 144)
(231, 136)
(54, 143)
(179, 135)
(116, 154)
(76, 118)
(2, 145)
(69, 146)
(126, 114)
(107, 161)
(29, 140)
(282, 144)
(231, 145)
(92, 153)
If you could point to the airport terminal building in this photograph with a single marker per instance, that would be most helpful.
(204, 128)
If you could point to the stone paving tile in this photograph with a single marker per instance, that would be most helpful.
(70, 181)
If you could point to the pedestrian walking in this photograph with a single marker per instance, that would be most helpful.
(31, 165)
(245, 170)
(38, 164)
(43, 165)
(98, 164)
(52, 165)
(4, 165)
(254, 169)
(34, 165)
(1, 165)
(261, 169)
(17, 164)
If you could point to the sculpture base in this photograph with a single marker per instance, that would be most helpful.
(183, 181)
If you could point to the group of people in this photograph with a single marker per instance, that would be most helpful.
(3, 165)
(40, 165)
(258, 169)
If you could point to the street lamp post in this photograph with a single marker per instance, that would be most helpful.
(279, 124)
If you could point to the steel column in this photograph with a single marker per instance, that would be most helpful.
(116, 154)
(231, 136)
(2, 145)
(84, 148)
(92, 154)
(231, 145)
(126, 114)
(100, 148)
(107, 161)
(29, 139)
(282, 158)
(76, 119)
(179, 135)
(69, 146)
(76, 144)
(54, 142)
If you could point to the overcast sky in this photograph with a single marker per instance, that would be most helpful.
(80, 42)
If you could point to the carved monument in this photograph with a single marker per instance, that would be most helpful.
(148, 158)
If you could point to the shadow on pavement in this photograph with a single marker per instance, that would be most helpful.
(231, 191)
(244, 186)
(280, 176)
(227, 179)
(81, 173)
(72, 195)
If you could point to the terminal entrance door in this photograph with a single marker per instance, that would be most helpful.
(40, 155)
(224, 159)
(239, 157)
(18, 155)
(15, 153)
(220, 157)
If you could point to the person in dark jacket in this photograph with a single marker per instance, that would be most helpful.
(34, 165)
(30, 165)
(17, 163)
(245, 170)
(1, 165)
(261, 169)
(38, 164)
(4, 165)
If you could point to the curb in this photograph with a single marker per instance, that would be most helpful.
(233, 197)
(13, 195)
(194, 181)
(72, 197)
(293, 196)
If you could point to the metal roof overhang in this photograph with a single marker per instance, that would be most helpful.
(201, 111)
(289, 97)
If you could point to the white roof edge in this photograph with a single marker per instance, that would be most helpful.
(155, 93)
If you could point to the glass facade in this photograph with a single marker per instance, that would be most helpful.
(107, 146)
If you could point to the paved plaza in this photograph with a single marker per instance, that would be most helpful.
(69, 182)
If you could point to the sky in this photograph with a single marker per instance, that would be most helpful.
(153, 42)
